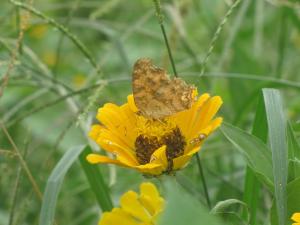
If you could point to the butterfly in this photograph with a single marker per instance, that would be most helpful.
(155, 94)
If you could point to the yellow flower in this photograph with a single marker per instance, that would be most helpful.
(296, 218)
(135, 209)
(152, 146)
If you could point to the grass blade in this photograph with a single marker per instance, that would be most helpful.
(54, 184)
(96, 181)
(278, 144)
(251, 195)
(294, 154)
(252, 186)
(293, 199)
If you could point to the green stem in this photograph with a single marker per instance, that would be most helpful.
(203, 181)
(18, 23)
(160, 20)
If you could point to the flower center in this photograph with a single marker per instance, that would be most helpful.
(145, 146)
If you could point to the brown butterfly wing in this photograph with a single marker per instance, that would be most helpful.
(155, 94)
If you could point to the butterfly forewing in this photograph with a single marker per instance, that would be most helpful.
(155, 94)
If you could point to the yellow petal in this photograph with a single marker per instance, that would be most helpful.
(159, 156)
(296, 217)
(130, 204)
(95, 159)
(181, 161)
(111, 143)
(193, 112)
(150, 168)
(115, 120)
(131, 103)
(205, 113)
(211, 127)
(216, 123)
(133, 211)
(193, 151)
(131, 119)
(151, 199)
(153, 207)
(95, 131)
(117, 216)
(149, 189)
(184, 119)
(158, 162)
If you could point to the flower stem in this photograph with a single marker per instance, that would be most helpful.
(203, 180)
(160, 21)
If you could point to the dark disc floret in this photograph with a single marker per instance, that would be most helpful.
(174, 141)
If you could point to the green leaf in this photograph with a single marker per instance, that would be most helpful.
(278, 144)
(293, 200)
(252, 186)
(54, 184)
(96, 181)
(222, 206)
(182, 208)
(296, 163)
(252, 189)
(294, 154)
(256, 153)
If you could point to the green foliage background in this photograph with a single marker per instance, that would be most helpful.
(258, 47)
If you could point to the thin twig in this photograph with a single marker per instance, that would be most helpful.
(23, 163)
(55, 101)
(7, 152)
(233, 31)
(16, 188)
(92, 99)
(63, 29)
(38, 74)
(22, 26)
(161, 23)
